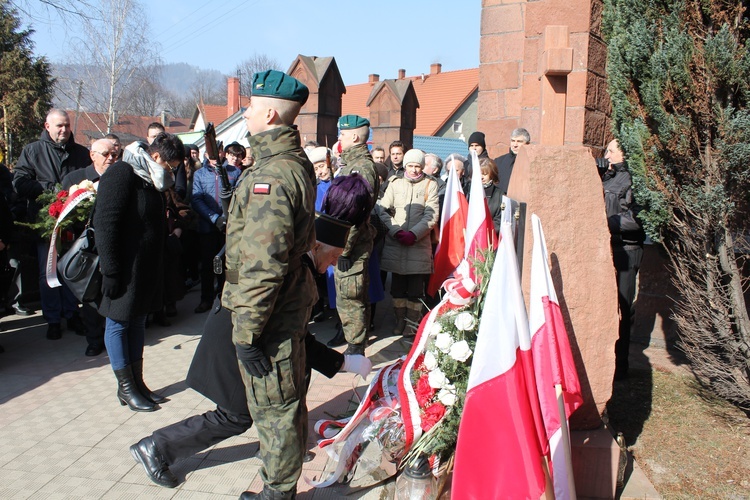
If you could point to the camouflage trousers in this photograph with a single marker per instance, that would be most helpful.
(279, 410)
(353, 301)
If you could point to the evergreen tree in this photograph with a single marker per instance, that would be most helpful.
(679, 80)
(25, 85)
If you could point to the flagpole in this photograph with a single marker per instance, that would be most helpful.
(566, 440)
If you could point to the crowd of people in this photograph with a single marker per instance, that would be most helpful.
(264, 229)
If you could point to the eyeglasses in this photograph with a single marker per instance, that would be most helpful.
(107, 155)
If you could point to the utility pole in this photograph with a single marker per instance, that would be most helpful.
(78, 104)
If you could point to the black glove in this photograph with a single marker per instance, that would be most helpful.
(253, 359)
(344, 264)
(221, 223)
(110, 285)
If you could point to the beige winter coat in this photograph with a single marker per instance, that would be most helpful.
(411, 206)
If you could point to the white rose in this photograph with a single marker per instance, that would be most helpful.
(437, 379)
(465, 321)
(72, 189)
(447, 396)
(429, 361)
(460, 351)
(435, 329)
(87, 185)
(443, 341)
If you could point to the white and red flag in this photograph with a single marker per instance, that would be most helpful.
(556, 375)
(501, 436)
(450, 249)
(480, 231)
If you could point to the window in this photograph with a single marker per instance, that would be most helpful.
(457, 126)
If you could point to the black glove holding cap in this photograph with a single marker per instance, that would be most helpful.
(221, 223)
(252, 358)
(110, 285)
(344, 264)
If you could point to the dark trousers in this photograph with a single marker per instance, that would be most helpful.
(94, 323)
(58, 302)
(194, 434)
(408, 286)
(210, 245)
(627, 260)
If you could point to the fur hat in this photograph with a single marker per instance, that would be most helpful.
(414, 156)
(318, 154)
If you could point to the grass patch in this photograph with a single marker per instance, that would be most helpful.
(689, 443)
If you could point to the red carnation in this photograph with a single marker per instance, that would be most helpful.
(424, 391)
(432, 415)
(419, 363)
(55, 209)
(61, 195)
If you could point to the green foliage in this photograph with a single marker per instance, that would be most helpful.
(25, 83)
(51, 202)
(679, 80)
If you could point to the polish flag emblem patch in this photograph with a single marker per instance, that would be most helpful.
(261, 188)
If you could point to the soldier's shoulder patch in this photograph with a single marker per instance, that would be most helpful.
(261, 188)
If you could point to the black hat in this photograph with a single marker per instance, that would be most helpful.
(331, 231)
(235, 143)
(477, 138)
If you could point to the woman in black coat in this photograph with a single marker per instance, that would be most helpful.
(130, 224)
(492, 191)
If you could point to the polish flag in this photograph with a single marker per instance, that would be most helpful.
(556, 376)
(499, 451)
(480, 232)
(450, 249)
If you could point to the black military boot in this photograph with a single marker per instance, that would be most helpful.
(128, 393)
(138, 377)
(269, 494)
(339, 339)
(148, 455)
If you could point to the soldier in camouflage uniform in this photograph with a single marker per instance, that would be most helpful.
(270, 293)
(351, 276)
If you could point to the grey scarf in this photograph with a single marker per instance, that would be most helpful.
(146, 168)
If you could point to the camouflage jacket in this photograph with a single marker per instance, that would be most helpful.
(357, 159)
(271, 224)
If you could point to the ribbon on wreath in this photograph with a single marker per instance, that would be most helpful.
(343, 447)
(460, 291)
(70, 204)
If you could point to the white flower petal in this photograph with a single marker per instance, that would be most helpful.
(429, 361)
(465, 321)
(460, 351)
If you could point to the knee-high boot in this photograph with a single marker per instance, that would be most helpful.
(399, 307)
(138, 377)
(128, 393)
(413, 317)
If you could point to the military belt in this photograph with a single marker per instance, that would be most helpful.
(233, 275)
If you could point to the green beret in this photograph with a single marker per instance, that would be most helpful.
(347, 122)
(272, 83)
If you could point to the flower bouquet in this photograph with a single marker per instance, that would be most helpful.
(412, 408)
(53, 214)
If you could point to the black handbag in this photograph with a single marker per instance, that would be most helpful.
(79, 268)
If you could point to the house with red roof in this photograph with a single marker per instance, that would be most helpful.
(88, 127)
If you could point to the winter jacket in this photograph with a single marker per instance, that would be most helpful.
(130, 224)
(206, 190)
(494, 196)
(505, 170)
(410, 206)
(43, 164)
(624, 225)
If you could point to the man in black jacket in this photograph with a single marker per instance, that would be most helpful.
(41, 166)
(518, 138)
(627, 245)
(103, 153)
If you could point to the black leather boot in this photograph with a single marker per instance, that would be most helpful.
(339, 339)
(148, 455)
(128, 393)
(138, 377)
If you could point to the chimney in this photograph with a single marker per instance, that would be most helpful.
(233, 95)
(401, 74)
(435, 68)
(373, 78)
(164, 118)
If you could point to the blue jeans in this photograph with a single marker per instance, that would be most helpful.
(124, 341)
(57, 302)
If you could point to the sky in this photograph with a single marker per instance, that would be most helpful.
(364, 37)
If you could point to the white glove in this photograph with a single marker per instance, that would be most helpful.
(356, 363)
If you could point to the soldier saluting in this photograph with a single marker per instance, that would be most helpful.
(270, 293)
